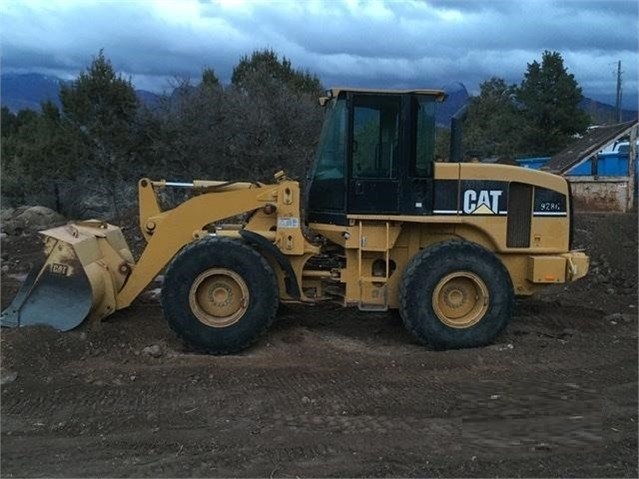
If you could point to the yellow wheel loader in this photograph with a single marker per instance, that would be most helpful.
(383, 225)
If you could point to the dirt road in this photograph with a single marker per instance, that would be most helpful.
(330, 392)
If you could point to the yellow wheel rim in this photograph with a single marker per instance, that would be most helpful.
(219, 297)
(460, 299)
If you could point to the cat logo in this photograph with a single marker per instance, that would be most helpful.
(61, 269)
(483, 202)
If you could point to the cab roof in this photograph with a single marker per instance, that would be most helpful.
(439, 94)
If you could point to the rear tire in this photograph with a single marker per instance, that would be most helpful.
(456, 294)
(219, 295)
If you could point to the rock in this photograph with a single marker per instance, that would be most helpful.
(5, 268)
(154, 351)
(502, 347)
(30, 219)
(614, 317)
(306, 400)
(7, 377)
(542, 446)
(6, 213)
(153, 294)
(611, 291)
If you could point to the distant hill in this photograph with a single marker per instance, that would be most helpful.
(27, 91)
(602, 113)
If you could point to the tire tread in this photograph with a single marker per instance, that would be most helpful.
(437, 252)
(248, 252)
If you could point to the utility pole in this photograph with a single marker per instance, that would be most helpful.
(618, 103)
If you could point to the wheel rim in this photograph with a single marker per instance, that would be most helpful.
(460, 299)
(219, 297)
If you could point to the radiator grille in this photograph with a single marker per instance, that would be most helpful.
(519, 214)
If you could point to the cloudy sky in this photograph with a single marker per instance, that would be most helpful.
(412, 43)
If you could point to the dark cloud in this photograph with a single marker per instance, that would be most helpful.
(616, 7)
(476, 6)
(367, 43)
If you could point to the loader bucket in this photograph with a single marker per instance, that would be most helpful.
(85, 266)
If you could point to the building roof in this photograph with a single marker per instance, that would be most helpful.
(587, 146)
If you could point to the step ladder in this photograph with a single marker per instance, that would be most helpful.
(373, 290)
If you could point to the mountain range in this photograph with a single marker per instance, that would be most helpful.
(29, 90)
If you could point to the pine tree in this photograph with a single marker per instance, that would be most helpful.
(492, 126)
(550, 97)
(101, 107)
(265, 68)
(210, 79)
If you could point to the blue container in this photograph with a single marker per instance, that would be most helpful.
(613, 164)
(608, 164)
(585, 169)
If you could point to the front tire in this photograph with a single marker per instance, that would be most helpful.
(219, 295)
(456, 294)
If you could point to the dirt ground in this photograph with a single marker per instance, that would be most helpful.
(332, 392)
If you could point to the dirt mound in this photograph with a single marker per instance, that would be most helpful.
(610, 240)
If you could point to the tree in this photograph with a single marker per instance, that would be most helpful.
(549, 97)
(32, 148)
(210, 79)
(493, 121)
(186, 132)
(273, 114)
(101, 107)
(246, 131)
(264, 67)
(9, 123)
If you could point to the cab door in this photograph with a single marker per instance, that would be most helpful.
(417, 193)
(374, 154)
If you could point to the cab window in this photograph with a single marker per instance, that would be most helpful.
(422, 164)
(327, 188)
(375, 137)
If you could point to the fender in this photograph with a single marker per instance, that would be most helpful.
(290, 279)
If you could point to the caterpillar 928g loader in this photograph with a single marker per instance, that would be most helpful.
(382, 225)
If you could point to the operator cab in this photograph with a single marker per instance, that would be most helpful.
(375, 155)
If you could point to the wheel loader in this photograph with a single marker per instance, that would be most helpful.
(382, 224)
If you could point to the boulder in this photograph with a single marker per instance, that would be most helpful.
(30, 219)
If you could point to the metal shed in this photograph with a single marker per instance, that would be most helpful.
(600, 181)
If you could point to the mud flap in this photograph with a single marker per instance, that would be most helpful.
(84, 269)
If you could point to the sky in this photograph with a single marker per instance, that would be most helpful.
(388, 44)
